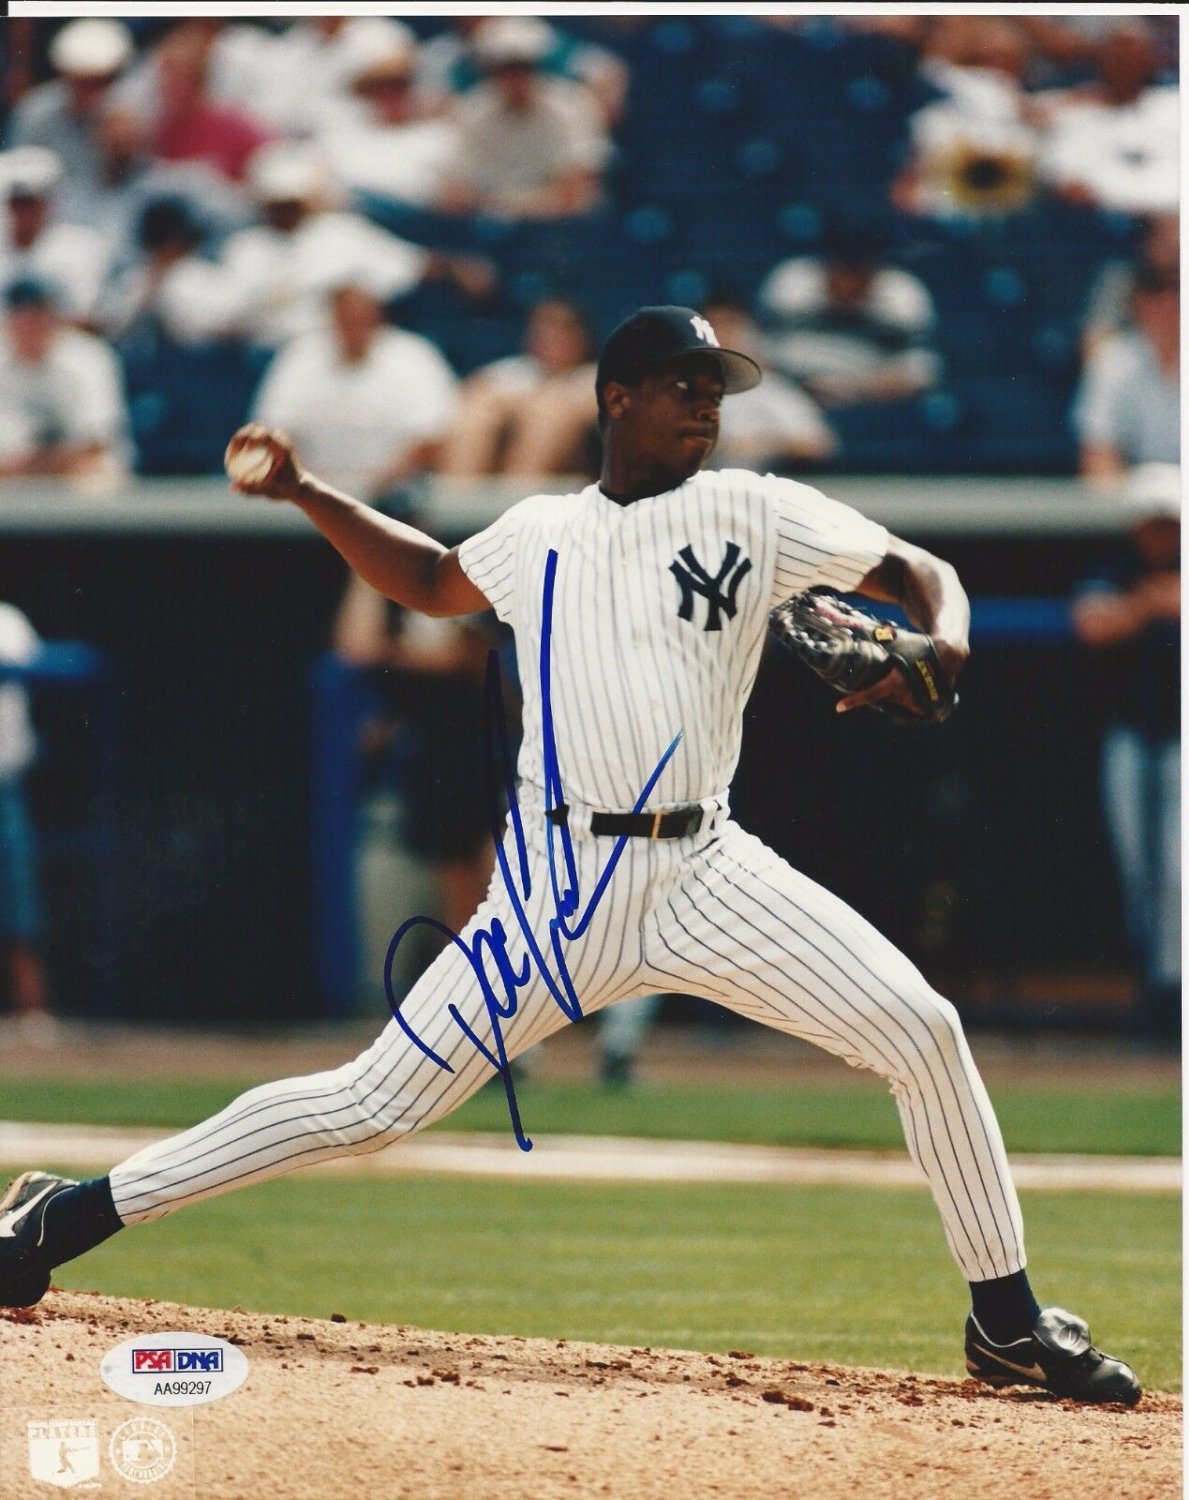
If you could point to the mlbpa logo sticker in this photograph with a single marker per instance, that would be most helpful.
(174, 1369)
(65, 1453)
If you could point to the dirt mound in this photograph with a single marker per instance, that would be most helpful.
(332, 1409)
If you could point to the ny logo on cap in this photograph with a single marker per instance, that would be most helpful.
(704, 331)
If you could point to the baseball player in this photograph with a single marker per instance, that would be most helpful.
(640, 608)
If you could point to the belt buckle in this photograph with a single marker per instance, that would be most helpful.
(655, 831)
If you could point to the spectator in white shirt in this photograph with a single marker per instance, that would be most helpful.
(62, 409)
(1116, 144)
(776, 425)
(306, 89)
(35, 243)
(531, 146)
(367, 405)
(88, 56)
(846, 325)
(1128, 408)
(395, 149)
(280, 269)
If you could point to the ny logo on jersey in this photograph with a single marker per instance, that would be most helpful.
(704, 331)
(694, 579)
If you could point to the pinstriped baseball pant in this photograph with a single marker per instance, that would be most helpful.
(717, 915)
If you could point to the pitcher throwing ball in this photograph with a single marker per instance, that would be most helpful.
(640, 608)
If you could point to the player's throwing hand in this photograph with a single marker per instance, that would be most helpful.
(261, 461)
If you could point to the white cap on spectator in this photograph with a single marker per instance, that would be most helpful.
(375, 44)
(30, 171)
(1153, 492)
(287, 171)
(93, 48)
(513, 39)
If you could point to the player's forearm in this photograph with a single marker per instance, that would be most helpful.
(929, 591)
(397, 560)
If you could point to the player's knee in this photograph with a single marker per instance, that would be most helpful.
(942, 1025)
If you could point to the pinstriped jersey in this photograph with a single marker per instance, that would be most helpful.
(660, 612)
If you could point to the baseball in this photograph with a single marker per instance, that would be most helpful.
(251, 464)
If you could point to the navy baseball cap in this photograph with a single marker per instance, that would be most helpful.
(655, 335)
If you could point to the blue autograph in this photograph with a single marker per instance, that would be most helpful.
(566, 924)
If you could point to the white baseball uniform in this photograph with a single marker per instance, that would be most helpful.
(650, 631)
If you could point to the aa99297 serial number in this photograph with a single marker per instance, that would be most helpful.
(182, 1388)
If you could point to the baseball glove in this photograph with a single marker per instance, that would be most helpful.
(852, 651)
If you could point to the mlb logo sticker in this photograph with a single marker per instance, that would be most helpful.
(65, 1453)
(142, 1450)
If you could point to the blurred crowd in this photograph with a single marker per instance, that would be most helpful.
(212, 185)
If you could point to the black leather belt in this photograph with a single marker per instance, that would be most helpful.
(677, 823)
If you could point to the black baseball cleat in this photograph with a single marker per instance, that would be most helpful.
(24, 1266)
(1057, 1356)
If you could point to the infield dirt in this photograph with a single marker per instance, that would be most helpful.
(335, 1409)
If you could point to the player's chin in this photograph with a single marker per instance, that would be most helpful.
(698, 446)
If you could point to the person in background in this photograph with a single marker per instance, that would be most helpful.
(431, 674)
(186, 124)
(1109, 305)
(169, 284)
(973, 151)
(1115, 144)
(368, 402)
(307, 88)
(88, 56)
(373, 404)
(62, 411)
(128, 177)
(34, 242)
(449, 64)
(846, 325)
(1128, 614)
(776, 426)
(1128, 407)
(395, 148)
(530, 146)
(20, 903)
(530, 413)
(280, 268)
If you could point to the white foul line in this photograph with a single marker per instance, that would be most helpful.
(618, 1159)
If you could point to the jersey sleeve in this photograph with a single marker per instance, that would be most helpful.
(820, 541)
(489, 559)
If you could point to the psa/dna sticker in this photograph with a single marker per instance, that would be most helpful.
(174, 1369)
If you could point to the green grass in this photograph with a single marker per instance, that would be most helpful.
(847, 1275)
(1098, 1119)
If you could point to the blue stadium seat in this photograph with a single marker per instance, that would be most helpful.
(184, 401)
(1017, 422)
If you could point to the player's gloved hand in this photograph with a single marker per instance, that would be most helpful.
(261, 461)
(873, 663)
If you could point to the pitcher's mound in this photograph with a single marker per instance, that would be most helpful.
(343, 1409)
